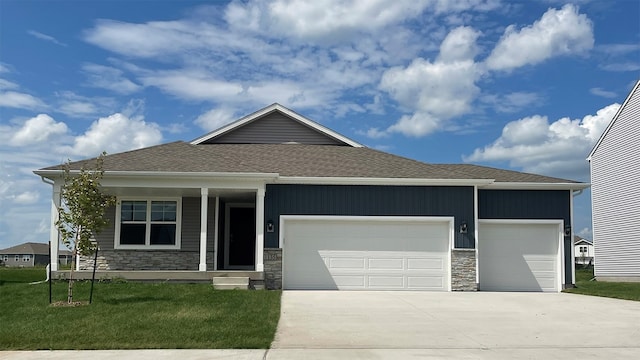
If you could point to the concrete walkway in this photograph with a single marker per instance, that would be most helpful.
(404, 325)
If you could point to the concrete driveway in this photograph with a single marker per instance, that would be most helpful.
(462, 325)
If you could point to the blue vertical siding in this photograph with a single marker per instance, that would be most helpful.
(530, 204)
(365, 200)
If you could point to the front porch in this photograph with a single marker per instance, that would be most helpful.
(192, 228)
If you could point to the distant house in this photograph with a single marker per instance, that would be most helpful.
(31, 254)
(615, 194)
(583, 250)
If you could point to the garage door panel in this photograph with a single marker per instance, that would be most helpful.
(425, 282)
(377, 255)
(518, 256)
(386, 282)
(386, 264)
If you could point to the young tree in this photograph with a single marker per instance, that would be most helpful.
(82, 213)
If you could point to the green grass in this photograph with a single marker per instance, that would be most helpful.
(21, 275)
(586, 286)
(128, 315)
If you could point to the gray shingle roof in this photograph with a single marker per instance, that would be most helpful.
(31, 248)
(296, 160)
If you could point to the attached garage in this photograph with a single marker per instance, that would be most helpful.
(366, 252)
(520, 255)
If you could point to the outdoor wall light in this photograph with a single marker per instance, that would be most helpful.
(463, 228)
(567, 230)
(270, 227)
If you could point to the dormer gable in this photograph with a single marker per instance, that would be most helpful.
(275, 124)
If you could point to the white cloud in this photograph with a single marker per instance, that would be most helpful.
(109, 78)
(459, 45)
(74, 105)
(603, 93)
(558, 32)
(436, 91)
(5, 84)
(215, 118)
(19, 100)
(193, 85)
(337, 21)
(116, 133)
(557, 149)
(38, 130)
(621, 66)
(511, 102)
(27, 197)
(45, 37)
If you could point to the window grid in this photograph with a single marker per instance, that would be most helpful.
(159, 218)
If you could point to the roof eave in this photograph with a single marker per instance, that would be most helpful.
(50, 174)
(536, 186)
(334, 180)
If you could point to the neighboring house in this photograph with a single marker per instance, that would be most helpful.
(583, 250)
(31, 254)
(289, 203)
(615, 194)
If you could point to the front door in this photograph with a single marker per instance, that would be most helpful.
(240, 237)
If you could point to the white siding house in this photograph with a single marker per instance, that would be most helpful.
(583, 250)
(615, 189)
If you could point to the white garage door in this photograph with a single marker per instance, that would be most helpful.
(516, 256)
(366, 253)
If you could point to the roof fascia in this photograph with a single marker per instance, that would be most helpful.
(260, 113)
(615, 117)
(163, 174)
(380, 181)
(536, 186)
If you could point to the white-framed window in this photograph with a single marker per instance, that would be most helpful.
(583, 249)
(148, 223)
(26, 257)
(6, 258)
(17, 258)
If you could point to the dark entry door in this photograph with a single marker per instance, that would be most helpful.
(242, 237)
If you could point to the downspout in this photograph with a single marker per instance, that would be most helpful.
(44, 180)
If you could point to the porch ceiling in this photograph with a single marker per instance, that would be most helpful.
(231, 194)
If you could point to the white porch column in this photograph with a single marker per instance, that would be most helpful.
(54, 236)
(260, 229)
(204, 204)
(216, 216)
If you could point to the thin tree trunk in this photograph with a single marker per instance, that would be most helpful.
(74, 254)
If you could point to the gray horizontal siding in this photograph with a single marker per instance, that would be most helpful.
(190, 234)
(530, 204)
(107, 237)
(371, 201)
(275, 128)
(615, 193)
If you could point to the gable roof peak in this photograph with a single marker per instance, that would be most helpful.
(634, 92)
(276, 107)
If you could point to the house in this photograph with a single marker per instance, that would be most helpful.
(289, 203)
(583, 249)
(31, 254)
(615, 194)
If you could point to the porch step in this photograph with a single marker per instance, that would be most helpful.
(231, 283)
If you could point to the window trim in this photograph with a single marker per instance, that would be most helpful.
(26, 258)
(147, 245)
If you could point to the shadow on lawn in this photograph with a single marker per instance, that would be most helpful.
(134, 299)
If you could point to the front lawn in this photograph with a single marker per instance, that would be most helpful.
(619, 290)
(22, 275)
(128, 315)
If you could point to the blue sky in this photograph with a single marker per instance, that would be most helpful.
(524, 85)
